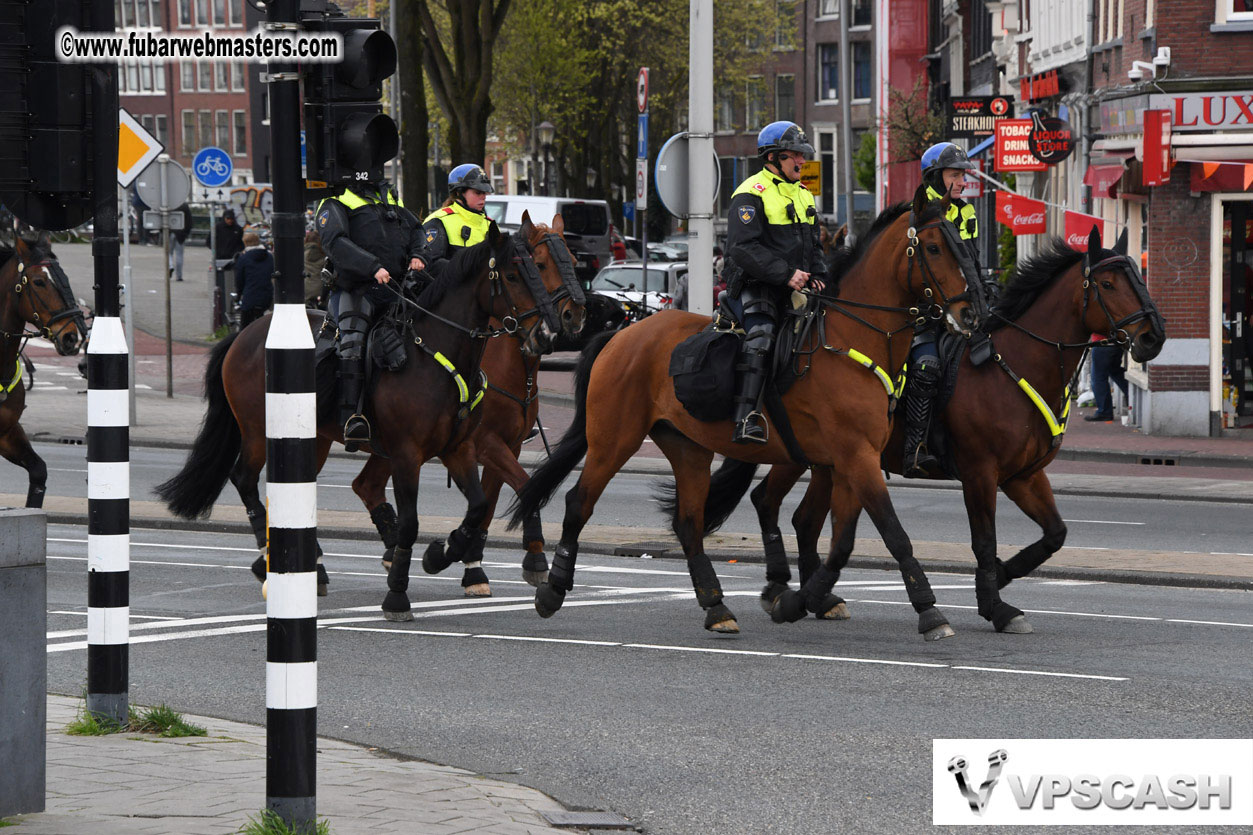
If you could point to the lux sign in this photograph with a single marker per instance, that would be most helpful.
(1207, 111)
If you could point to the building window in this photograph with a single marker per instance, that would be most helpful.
(785, 97)
(824, 146)
(158, 77)
(127, 18)
(828, 8)
(219, 12)
(862, 13)
(237, 77)
(223, 125)
(162, 129)
(1235, 10)
(146, 121)
(205, 71)
(980, 29)
(241, 133)
(184, 12)
(189, 133)
(755, 101)
(785, 28)
(132, 77)
(828, 72)
(145, 77)
(143, 18)
(202, 12)
(861, 70)
(206, 128)
(221, 77)
(187, 76)
(724, 110)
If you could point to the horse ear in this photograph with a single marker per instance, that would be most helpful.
(44, 241)
(1121, 246)
(493, 233)
(1094, 239)
(559, 224)
(920, 199)
(527, 226)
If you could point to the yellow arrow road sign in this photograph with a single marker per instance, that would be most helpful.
(136, 148)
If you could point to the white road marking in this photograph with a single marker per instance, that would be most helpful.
(807, 657)
(1210, 622)
(545, 640)
(63, 470)
(1102, 522)
(1229, 554)
(1071, 582)
(1041, 673)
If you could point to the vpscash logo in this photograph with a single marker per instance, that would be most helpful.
(1088, 781)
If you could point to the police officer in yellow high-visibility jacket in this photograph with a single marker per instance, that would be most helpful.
(944, 167)
(372, 240)
(461, 222)
(772, 249)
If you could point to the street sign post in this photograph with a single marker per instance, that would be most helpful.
(641, 169)
(166, 186)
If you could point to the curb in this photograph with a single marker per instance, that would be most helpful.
(1143, 578)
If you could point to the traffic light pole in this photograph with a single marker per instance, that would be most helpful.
(291, 472)
(108, 417)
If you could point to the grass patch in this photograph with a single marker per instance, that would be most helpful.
(269, 823)
(160, 720)
(221, 333)
(4, 823)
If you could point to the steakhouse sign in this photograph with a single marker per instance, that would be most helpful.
(1013, 146)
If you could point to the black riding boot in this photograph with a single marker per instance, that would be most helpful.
(750, 426)
(924, 385)
(351, 382)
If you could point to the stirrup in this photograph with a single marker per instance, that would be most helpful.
(751, 430)
(356, 432)
(924, 464)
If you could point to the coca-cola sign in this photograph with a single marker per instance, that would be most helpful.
(1051, 139)
(1022, 215)
(1079, 228)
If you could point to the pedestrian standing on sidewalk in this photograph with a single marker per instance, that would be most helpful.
(229, 237)
(178, 238)
(1106, 366)
(253, 272)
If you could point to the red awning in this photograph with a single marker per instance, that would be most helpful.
(1221, 176)
(1104, 178)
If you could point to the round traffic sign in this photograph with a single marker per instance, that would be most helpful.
(212, 167)
(170, 195)
(641, 89)
(673, 163)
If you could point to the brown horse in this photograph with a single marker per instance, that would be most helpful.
(509, 411)
(34, 290)
(999, 435)
(480, 282)
(840, 411)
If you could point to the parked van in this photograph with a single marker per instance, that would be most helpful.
(587, 223)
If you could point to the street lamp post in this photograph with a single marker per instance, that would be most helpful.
(547, 132)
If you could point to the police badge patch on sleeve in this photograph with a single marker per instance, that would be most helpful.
(430, 237)
(747, 213)
(324, 217)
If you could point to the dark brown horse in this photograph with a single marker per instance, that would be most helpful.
(420, 412)
(34, 290)
(509, 411)
(1004, 424)
(839, 409)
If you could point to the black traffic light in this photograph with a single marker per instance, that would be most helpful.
(45, 116)
(348, 137)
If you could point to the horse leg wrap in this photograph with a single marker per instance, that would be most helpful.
(397, 602)
(385, 522)
(532, 531)
(1024, 562)
(258, 568)
(716, 614)
(35, 495)
(929, 619)
(789, 607)
(916, 585)
(704, 581)
(777, 570)
(536, 563)
(474, 575)
(807, 564)
(256, 518)
(476, 541)
(817, 592)
(986, 592)
(771, 593)
(561, 575)
(324, 582)
(1002, 614)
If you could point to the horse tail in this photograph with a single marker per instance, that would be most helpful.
(727, 487)
(569, 450)
(192, 492)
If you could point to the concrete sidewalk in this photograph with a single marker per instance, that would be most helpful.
(139, 784)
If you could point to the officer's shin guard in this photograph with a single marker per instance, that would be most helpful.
(750, 426)
(924, 385)
(351, 384)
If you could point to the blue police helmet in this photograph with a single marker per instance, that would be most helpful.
(469, 175)
(945, 155)
(783, 136)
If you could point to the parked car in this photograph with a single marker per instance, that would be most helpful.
(641, 292)
(587, 225)
(665, 252)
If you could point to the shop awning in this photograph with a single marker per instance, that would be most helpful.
(1221, 176)
(1103, 175)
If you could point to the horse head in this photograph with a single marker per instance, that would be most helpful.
(940, 272)
(42, 295)
(1116, 302)
(516, 293)
(556, 266)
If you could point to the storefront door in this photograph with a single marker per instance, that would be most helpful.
(1238, 304)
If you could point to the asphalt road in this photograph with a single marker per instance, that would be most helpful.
(928, 514)
(623, 702)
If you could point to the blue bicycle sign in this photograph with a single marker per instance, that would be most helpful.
(212, 167)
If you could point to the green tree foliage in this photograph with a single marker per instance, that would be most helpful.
(912, 126)
(864, 166)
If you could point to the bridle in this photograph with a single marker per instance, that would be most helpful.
(570, 286)
(43, 316)
(937, 309)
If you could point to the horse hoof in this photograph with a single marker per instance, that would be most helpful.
(718, 618)
(479, 590)
(770, 594)
(398, 617)
(548, 600)
(535, 578)
(944, 631)
(265, 589)
(788, 607)
(933, 625)
(726, 627)
(1018, 626)
(535, 568)
(433, 560)
(837, 612)
(258, 568)
(396, 607)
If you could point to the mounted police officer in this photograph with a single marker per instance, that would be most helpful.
(460, 221)
(772, 249)
(372, 239)
(944, 166)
